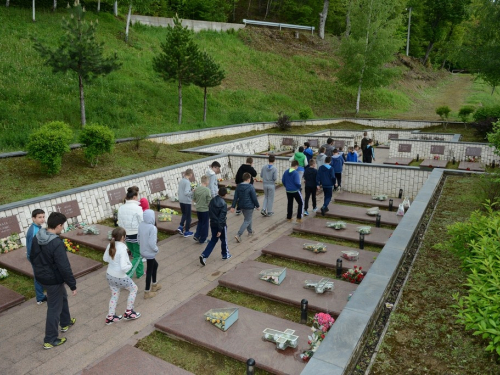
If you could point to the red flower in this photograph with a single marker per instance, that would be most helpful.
(360, 268)
(322, 336)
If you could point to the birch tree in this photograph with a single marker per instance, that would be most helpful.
(78, 51)
(322, 19)
(371, 44)
(209, 74)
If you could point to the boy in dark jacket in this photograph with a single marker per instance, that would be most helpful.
(52, 270)
(291, 182)
(326, 179)
(245, 168)
(338, 165)
(352, 156)
(310, 186)
(217, 210)
(308, 152)
(246, 199)
(38, 217)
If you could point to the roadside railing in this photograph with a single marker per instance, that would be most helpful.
(280, 25)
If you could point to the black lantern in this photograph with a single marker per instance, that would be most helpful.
(377, 221)
(339, 268)
(418, 157)
(400, 193)
(361, 241)
(391, 202)
(115, 218)
(158, 208)
(453, 160)
(250, 366)
(493, 164)
(303, 311)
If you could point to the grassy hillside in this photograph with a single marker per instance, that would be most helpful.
(267, 72)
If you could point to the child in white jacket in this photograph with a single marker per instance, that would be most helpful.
(119, 264)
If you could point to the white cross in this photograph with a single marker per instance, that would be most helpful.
(282, 339)
(324, 285)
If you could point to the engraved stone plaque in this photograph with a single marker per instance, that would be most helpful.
(116, 196)
(393, 136)
(473, 151)
(404, 147)
(437, 150)
(156, 185)
(313, 142)
(69, 209)
(287, 142)
(338, 144)
(8, 226)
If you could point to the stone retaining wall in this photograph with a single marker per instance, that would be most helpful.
(196, 26)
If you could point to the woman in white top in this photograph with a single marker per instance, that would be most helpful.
(119, 264)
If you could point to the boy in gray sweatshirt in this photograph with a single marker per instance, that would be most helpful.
(269, 174)
(185, 194)
(147, 236)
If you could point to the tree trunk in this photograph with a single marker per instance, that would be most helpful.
(234, 10)
(248, 9)
(493, 90)
(7, 3)
(34, 11)
(205, 106)
(82, 101)
(428, 52)
(269, 2)
(348, 20)
(442, 65)
(98, 6)
(322, 19)
(54, 7)
(358, 99)
(129, 15)
(180, 102)
(115, 8)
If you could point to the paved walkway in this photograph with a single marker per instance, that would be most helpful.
(181, 275)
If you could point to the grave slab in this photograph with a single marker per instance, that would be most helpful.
(398, 161)
(292, 248)
(16, 260)
(9, 298)
(275, 153)
(378, 236)
(258, 185)
(432, 163)
(471, 166)
(359, 214)
(94, 241)
(243, 340)
(133, 361)
(365, 200)
(170, 227)
(245, 277)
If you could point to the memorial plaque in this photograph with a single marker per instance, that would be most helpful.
(393, 136)
(8, 226)
(69, 209)
(473, 151)
(287, 142)
(313, 142)
(338, 144)
(404, 147)
(116, 196)
(156, 185)
(437, 150)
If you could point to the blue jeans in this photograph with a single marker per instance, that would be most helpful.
(202, 227)
(186, 216)
(213, 242)
(328, 196)
(247, 221)
(38, 288)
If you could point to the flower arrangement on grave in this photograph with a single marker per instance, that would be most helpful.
(3, 273)
(76, 226)
(222, 318)
(70, 246)
(336, 225)
(274, 275)
(315, 248)
(472, 159)
(166, 214)
(10, 243)
(163, 197)
(220, 179)
(258, 179)
(272, 148)
(379, 197)
(351, 255)
(90, 229)
(321, 325)
(364, 230)
(228, 188)
(373, 211)
(354, 275)
(194, 185)
(436, 157)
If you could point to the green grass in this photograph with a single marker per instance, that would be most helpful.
(19, 283)
(90, 253)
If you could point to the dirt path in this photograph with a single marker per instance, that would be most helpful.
(451, 92)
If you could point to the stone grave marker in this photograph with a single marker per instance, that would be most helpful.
(365, 200)
(338, 144)
(69, 209)
(116, 196)
(313, 143)
(404, 147)
(287, 142)
(9, 298)
(473, 151)
(9, 225)
(437, 150)
(393, 136)
(156, 185)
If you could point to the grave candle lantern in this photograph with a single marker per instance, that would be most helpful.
(377, 222)
(453, 160)
(115, 218)
(339, 267)
(418, 157)
(303, 311)
(391, 202)
(493, 164)
(361, 241)
(251, 366)
(158, 208)
(400, 193)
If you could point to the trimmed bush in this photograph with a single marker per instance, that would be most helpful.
(49, 144)
(465, 112)
(97, 140)
(284, 121)
(306, 113)
(443, 112)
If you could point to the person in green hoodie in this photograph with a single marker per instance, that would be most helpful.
(202, 197)
(301, 159)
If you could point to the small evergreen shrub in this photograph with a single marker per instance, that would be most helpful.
(97, 140)
(443, 112)
(465, 112)
(284, 121)
(49, 144)
(306, 113)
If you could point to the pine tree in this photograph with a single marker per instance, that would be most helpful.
(78, 51)
(178, 60)
(209, 74)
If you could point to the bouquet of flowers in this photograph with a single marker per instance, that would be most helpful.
(166, 214)
(380, 197)
(351, 255)
(90, 229)
(373, 211)
(74, 226)
(321, 325)
(70, 246)
(315, 248)
(10, 243)
(194, 185)
(354, 275)
(336, 225)
(3, 273)
(169, 211)
(364, 230)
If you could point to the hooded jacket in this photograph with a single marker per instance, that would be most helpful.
(129, 216)
(30, 236)
(120, 264)
(328, 149)
(337, 163)
(217, 211)
(269, 174)
(310, 177)
(213, 185)
(301, 158)
(291, 180)
(352, 157)
(202, 197)
(320, 159)
(184, 192)
(50, 260)
(245, 197)
(308, 152)
(326, 176)
(245, 168)
(147, 237)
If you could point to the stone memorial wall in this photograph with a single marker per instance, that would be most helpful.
(247, 146)
(276, 140)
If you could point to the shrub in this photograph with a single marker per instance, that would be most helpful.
(97, 140)
(49, 144)
(443, 112)
(465, 111)
(284, 121)
(306, 113)
(483, 127)
(484, 113)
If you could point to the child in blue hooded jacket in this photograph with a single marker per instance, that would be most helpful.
(326, 179)
(147, 238)
(291, 182)
(338, 165)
